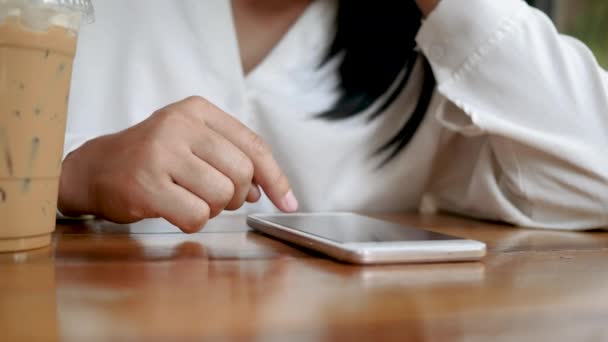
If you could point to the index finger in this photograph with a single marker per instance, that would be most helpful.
(267, 172)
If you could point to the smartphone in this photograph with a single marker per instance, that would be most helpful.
(360, 239)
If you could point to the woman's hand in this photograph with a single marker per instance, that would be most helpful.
(427, 6)
(186, 163)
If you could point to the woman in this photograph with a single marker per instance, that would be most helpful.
(481, 108)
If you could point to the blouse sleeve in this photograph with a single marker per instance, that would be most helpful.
(533, 106)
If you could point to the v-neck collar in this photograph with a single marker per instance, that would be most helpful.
(274, 56)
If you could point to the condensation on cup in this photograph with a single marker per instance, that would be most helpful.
(37, 48)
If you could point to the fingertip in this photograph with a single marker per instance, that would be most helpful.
(289, 203)
(194, 220)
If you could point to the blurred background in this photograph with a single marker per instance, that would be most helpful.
(585, 19)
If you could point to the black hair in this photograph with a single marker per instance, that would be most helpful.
(376, 41)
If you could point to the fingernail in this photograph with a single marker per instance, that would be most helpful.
(289, 202)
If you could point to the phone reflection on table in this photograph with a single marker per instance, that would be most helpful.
(408, 275)
(424, 275)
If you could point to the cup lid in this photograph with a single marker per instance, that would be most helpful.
(84, 7)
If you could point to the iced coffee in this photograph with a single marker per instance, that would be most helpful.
(37, 47)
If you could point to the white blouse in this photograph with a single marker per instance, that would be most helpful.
(517, 129)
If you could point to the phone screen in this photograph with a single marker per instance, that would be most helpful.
(354, 228)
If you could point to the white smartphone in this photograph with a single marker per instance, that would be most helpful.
(363, 240)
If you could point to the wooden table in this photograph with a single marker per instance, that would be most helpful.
(101, 281)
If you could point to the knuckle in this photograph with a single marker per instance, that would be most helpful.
(258, 145)
(227, 192)
(245, 171)
(244, 176)
(169, 118)
(223, 196)
(195, 100)
(199, 218)
(280, 180)
(248, 170)
(162, 125)
(180, 117)
(196, 105)
(173, 116)
(164, 114)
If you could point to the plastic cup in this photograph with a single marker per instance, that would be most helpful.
(37, 48)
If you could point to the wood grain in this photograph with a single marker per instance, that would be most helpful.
(103, 281)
